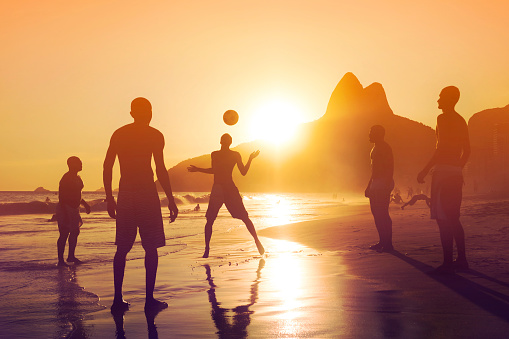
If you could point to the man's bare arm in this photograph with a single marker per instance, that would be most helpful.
(245, 168)
(193, 168)
(164, 180)
(466, 150)
(109, 161)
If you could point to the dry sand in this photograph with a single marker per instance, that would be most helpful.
(319, 280)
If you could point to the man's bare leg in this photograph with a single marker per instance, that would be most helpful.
(62, 239)
(73, 240)
(151, 262)
(119, 304)
(459, 237)
(446, 237)
(208, 235)
(251, 229)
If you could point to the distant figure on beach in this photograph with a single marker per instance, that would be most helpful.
(224, 190)
(197, 208)
(410, 192)
(451, 155)
(138, 201)
(397, 198)
(416, 198)
(68, 211)
(47, 201)
(380, 186)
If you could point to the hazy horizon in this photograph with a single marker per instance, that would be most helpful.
(73, 69)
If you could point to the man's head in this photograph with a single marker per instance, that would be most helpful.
(141, 110)
(448, 98)
(226, 140)
(376, 133)
(74, 164)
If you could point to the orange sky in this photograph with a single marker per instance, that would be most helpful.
(69, 69)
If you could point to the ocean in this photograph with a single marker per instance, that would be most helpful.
(39, 300)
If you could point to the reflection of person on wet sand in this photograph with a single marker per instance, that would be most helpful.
(380, 186)
(451, 155)
(416, 198)
(68, 211)
(224, 190)
(242, 316)
(138, 201)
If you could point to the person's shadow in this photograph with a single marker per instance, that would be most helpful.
(150, 315)
(490, 300)
(242, 316)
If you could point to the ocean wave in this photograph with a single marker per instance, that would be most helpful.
(97, 205)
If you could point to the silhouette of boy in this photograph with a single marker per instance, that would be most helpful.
(380, 186)
(224, 190)
(68, 210)
(138, 201)
(451, 155)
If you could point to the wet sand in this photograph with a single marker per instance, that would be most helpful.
(319, 280)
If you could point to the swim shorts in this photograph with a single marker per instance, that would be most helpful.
(228, 195)
(446, 192)
(68, 218)
(139, 210)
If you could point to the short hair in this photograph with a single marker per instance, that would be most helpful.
(73, 161)
(226, 139)
(140, 105)
(451, 93)
(378, 130)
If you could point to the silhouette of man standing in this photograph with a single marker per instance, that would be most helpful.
(68, 210)
(224, 190)
(380, 186)
(451, 155)
(138, 201)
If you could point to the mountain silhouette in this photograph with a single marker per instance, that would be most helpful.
(331, 153)
(488, 168)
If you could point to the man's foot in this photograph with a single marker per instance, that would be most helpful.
(75, 260)
(386, 249)
(460, 264)
(444, 269)
(119, 306)
(206, 253)
(62, 263)
(154, 305)
(376, 247)
(260, 248)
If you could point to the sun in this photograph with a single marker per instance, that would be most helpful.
(276, 121)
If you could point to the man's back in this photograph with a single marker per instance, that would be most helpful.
(223, 162)
(452, 137)
(382, 161)
(134, 145)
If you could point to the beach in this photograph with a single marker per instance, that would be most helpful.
(317, 279)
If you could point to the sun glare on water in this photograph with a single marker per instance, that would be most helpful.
(276, 121)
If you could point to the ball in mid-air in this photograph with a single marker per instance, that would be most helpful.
(230, 117)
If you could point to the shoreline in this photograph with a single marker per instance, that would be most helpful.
(317, 279)
(381, 294)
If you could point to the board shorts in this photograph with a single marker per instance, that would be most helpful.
(228, 195)
(139, 210)
(446, 192)
(68, 218)
(380, 193)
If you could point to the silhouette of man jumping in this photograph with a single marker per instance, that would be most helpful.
(380, 186)
(451, 155)
(138, 201)
(224, 190)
